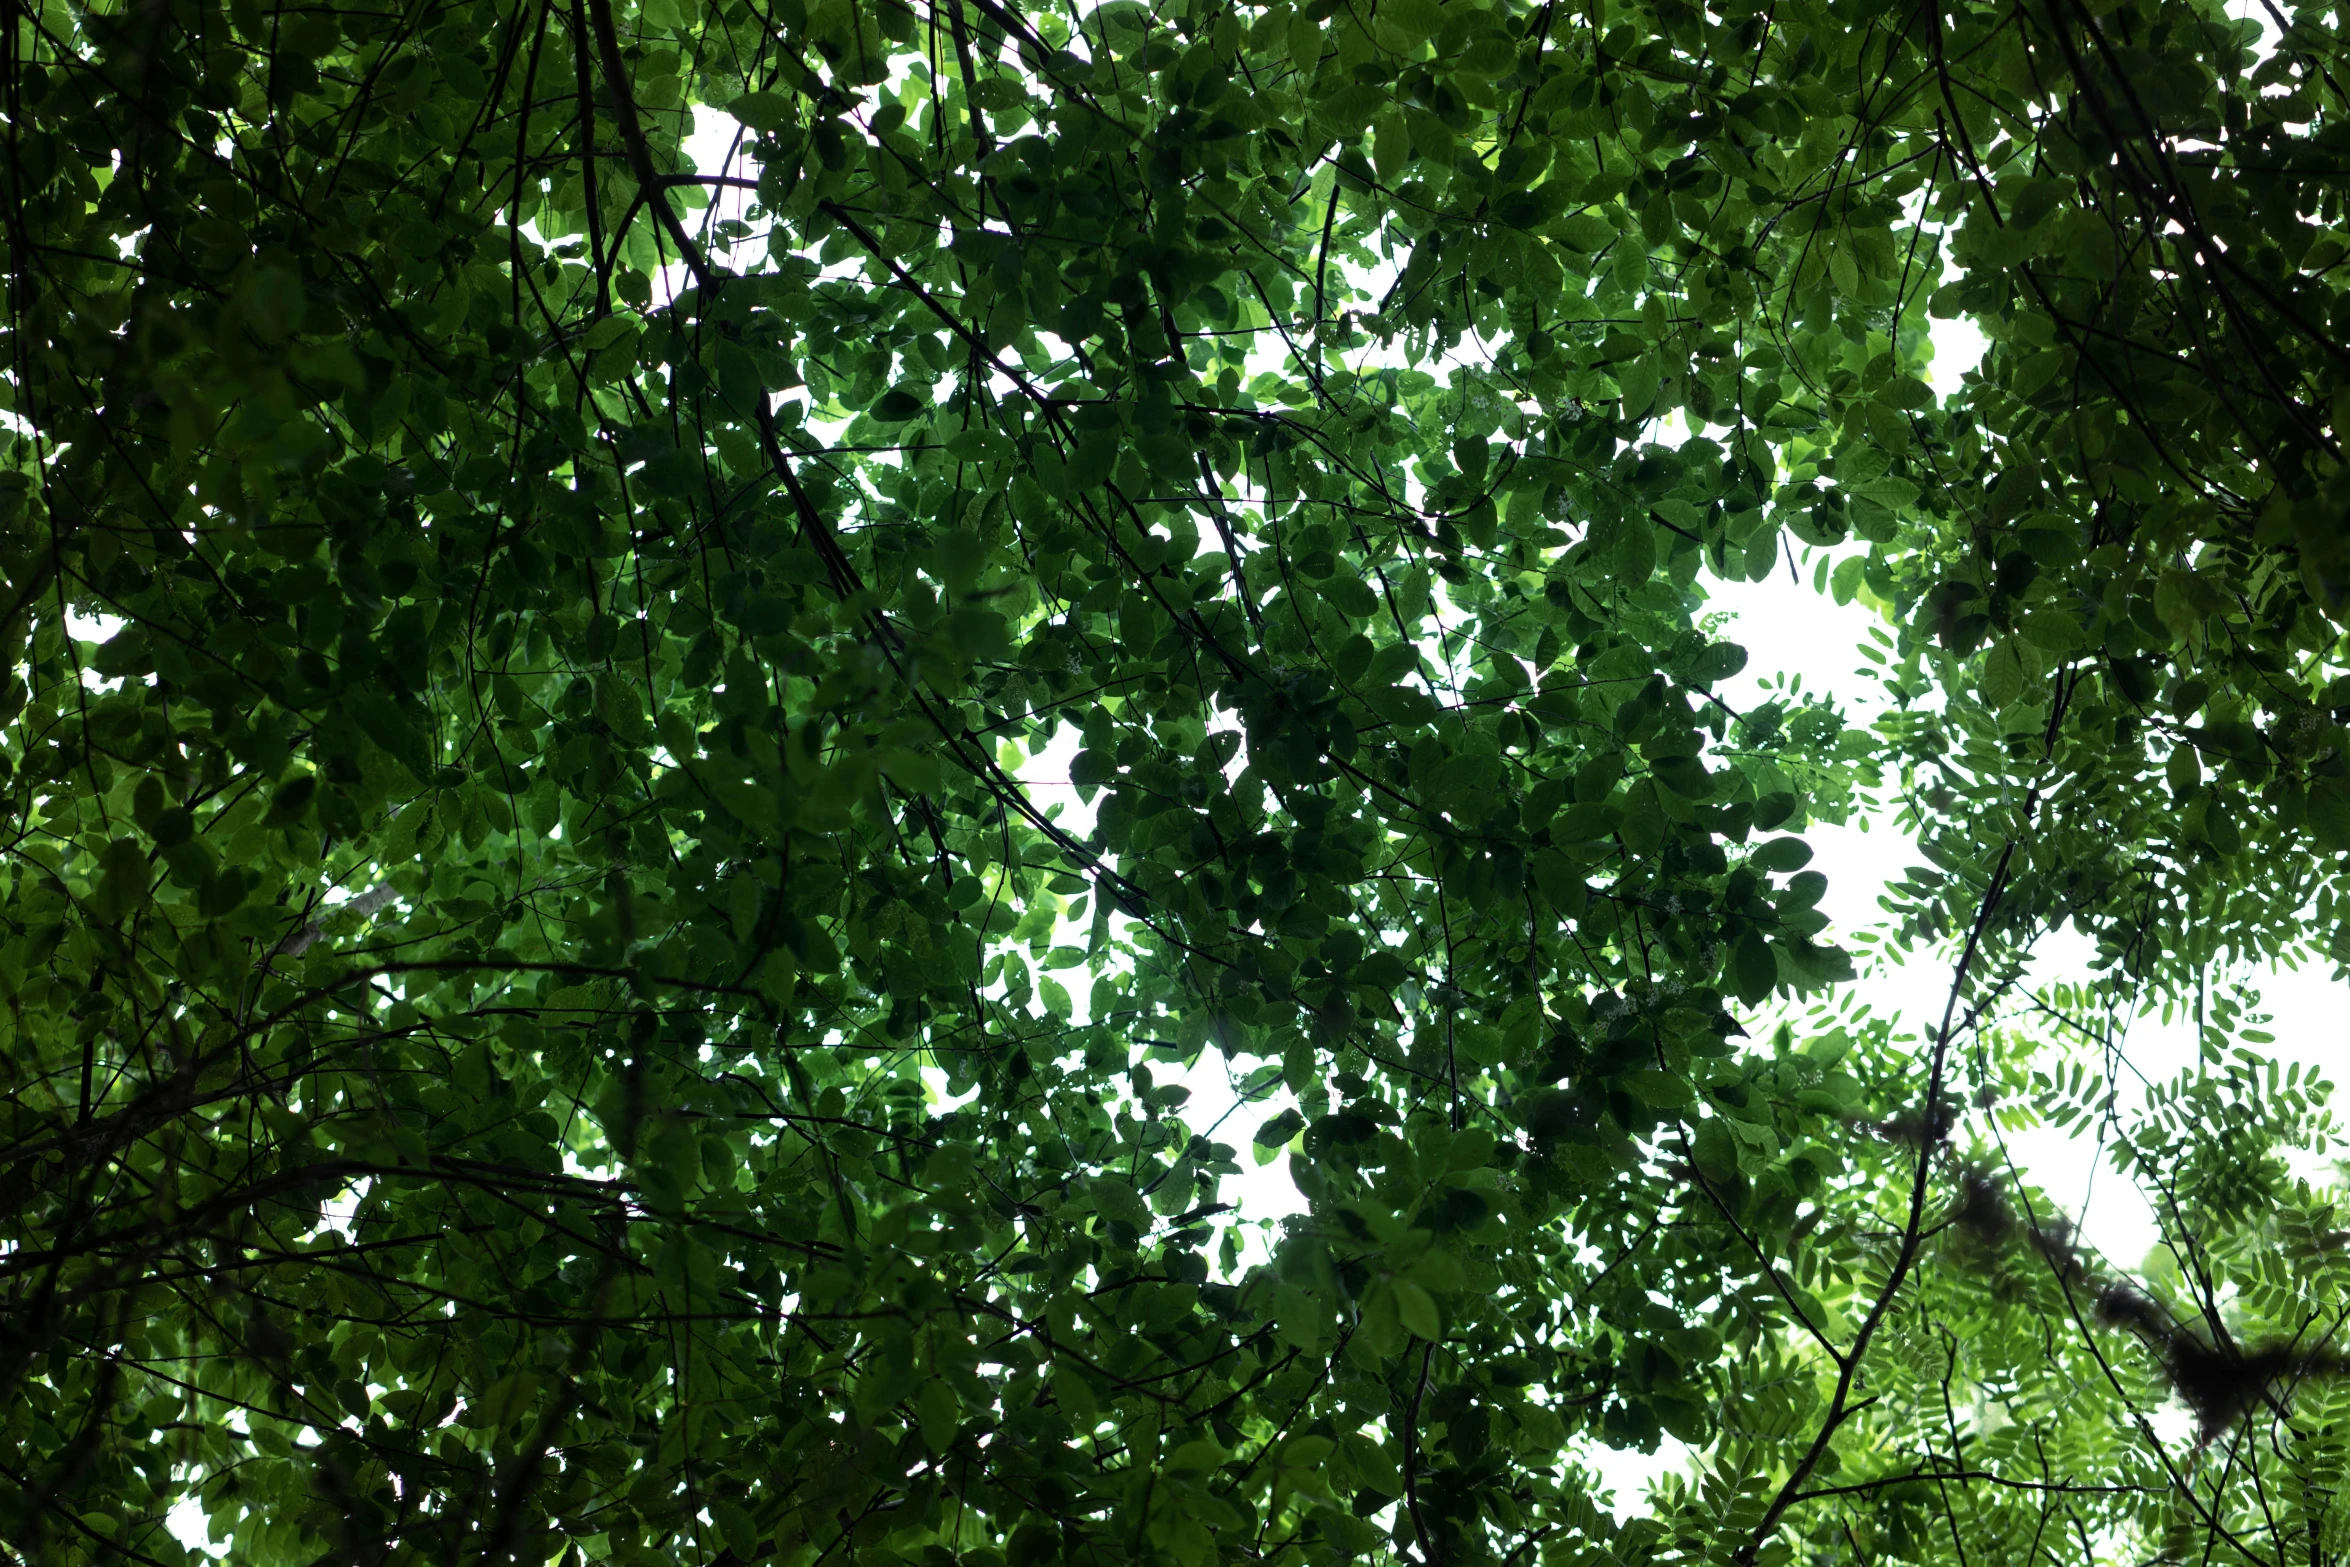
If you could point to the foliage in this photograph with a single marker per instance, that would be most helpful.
(546, 1015)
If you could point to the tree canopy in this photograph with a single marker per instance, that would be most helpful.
(543, 1017)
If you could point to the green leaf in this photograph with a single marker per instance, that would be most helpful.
(1199, 1456)
(940, 1412)
(1416, 1309)
(762, 111)
(1754, 971)
(1351, 597)
(1780, 854)
(1719, 662)
(2183, 769)
(1844, 271)
(292, 801)
(1666, 1090)
(1638, 382)
(1635, 557)
(1280, 1129)
(2003, 676)
(1845, 580)
(1684, 775)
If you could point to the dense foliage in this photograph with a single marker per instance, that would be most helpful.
(544, 1017)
